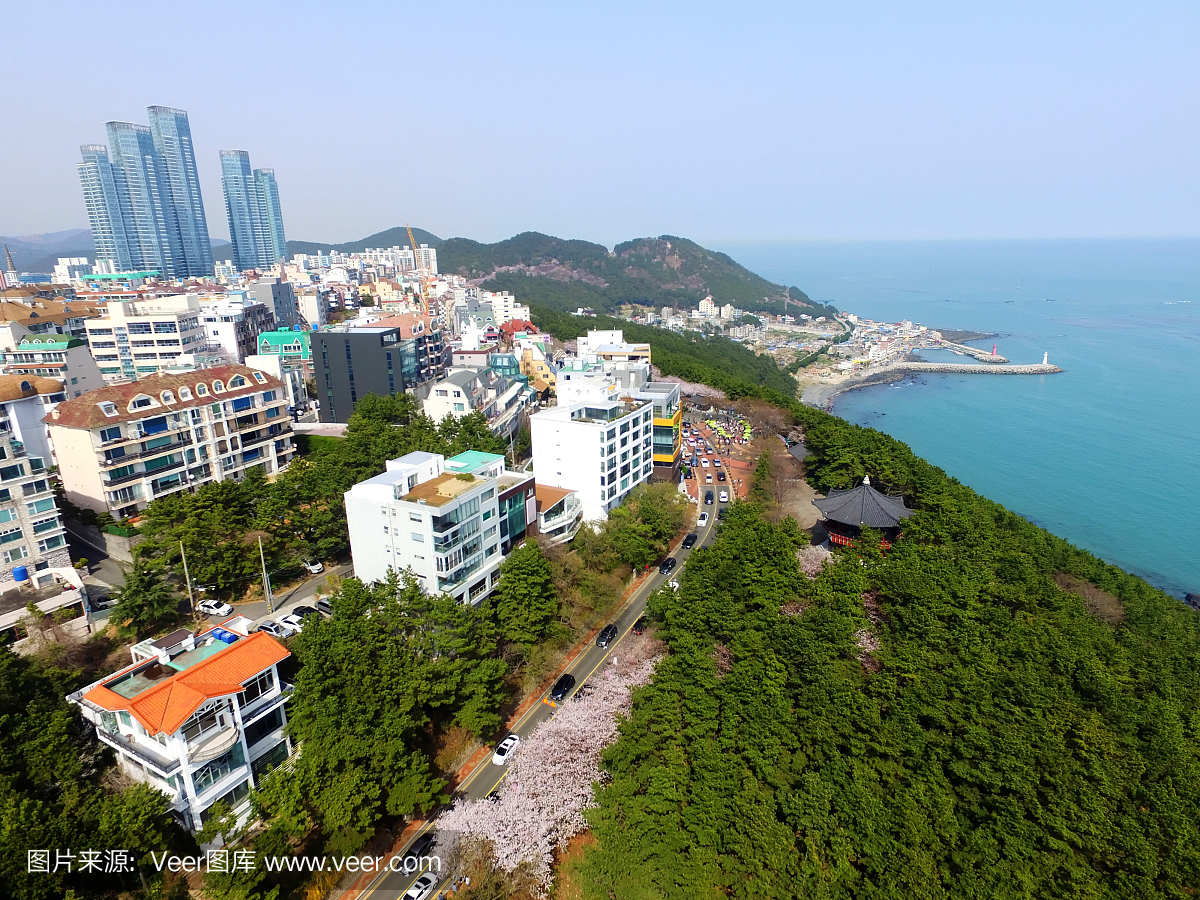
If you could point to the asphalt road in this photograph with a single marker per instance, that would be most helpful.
(487, 776)
(286, 601)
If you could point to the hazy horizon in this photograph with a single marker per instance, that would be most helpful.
(781, 123)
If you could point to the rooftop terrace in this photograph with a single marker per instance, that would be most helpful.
(442, 490)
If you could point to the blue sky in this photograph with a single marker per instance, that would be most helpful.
(723, 122)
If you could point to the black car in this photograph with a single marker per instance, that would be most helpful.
(304, 611)
(607, 635)
(562, 687)
(721, 512)
(708, 498)
(720, 476)
(418, 848)
(639, 627)
(667, 566)
(690, 541)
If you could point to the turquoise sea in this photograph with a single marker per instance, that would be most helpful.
(1107, 454)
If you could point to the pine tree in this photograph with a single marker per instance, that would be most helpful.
(525, 600)
(144, 601)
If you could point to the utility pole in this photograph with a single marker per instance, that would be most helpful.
(187, 578)
(266, 578)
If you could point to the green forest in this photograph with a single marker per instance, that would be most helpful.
(983, 712)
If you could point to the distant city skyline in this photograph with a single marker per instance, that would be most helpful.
(253, 212)
(921, 120)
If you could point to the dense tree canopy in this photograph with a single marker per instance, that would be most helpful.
(943, 721)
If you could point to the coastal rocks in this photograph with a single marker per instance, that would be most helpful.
(1192, 600)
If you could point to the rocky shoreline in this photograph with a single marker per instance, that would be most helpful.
(821, 394)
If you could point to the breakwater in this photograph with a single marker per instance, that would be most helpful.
(822, 394)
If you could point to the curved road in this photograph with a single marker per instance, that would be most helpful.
(487, 777)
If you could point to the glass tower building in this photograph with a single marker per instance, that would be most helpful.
(255, 217)
(142, 194)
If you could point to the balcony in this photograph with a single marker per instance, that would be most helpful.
(212, 744)
(146, 454)
(127, 744)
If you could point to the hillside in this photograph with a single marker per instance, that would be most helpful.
(39, 252)
(393, 237)
(567, 274)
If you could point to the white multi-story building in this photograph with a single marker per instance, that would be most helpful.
(135, 338)
(232, 325)
(199, 717)
(58, 356)
(464, 391)
(451, 522)
(125, 445)
(70, 268)
(600, 450)
(707, 307)
(32, 537)
(611, 346)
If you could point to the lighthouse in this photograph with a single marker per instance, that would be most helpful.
(1046, 358)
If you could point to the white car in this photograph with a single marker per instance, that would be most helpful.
(292, 621)
(314, 565)
(702, 521)
(708, 479)
(673, 585)
(504, 750)
(717, 462)
(214, 608)
(423, 887)
(724, 498)
(704, 461)
(276, 629)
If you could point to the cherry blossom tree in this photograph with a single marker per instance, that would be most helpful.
(812, 560)
(550, 782)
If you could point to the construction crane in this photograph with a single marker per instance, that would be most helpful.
(421, 271)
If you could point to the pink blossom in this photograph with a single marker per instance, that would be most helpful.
(550, 781)
(812, 560)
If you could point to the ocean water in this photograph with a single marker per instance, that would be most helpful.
(1106, 454)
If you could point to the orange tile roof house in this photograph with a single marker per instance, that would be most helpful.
(198, 716)
(124, 445)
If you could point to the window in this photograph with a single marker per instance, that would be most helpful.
(236, 381)
(51, 543)
(9, 514)
(257, 686)
(185, 393)
(15, 553)
(11, 534)
(210, 774)
(8, 473)
(163, 328)
(38, 506)
(218, 387)
(260, 377)
(256, 731)
(272, 412)
(268, 396)
(167, 397)
(414, 517)
(418, 537)
(140, 402)
(202, 390)
(108, 408)
(242, 403)
(110, 434)
(139, 328)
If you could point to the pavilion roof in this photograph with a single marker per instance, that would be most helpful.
(863, 506)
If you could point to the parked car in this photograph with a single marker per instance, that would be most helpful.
(720, 476)
(324, 607)
(721, 512)
(724, 498)
(704, 462)
(275, 629)
(717, 462)
(292, 621)
(702, 521)
(102, 601)
(607, 635)
(304, 611)
(708, 498)
(214, 608)
(314, 565)
(708, 478)
(562, 687)
(423, 887)
(667, 565)
(639, 627)
(504, 749)
(690, 541)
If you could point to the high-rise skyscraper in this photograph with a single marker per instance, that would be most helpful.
(143, 198)
(255, 217)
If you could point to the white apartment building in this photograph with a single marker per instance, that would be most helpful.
(451, 522)
(32, 537)
(467, 390)
(199, 717)
(600, 450)
(707, 307)
(505, 306)
(70, 268)
(232, 325)
(125, 445)
(24, 402)
(59, 356)
(135, 338)
(611, 346)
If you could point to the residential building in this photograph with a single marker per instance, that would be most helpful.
(24, 402)
(611, 346)
(57, 591)
(71, 268)
(292, 344)
(252, 207)
(395, 355)
(32, 537)
(559, 513)
(232, 325)
(40, 315)
(57, 356)
(464, 391)
(313, 306)
(199, 717)
(537, 367)
(279, 297)
(125, 445)
(142, 194)
(506, 307)
(600, 450)
(135, 338)
(707, 307)
(451, 522)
